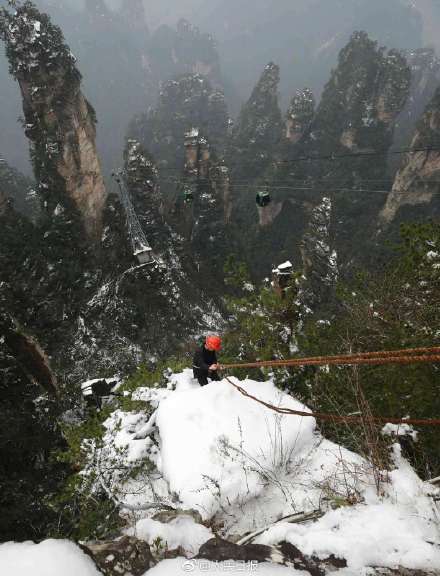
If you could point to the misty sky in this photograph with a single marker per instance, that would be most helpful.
(169, 11)
(158, 11)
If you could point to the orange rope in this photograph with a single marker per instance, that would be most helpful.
(337, 417)
(405, 356)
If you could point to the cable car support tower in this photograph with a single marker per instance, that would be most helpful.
(139, 243)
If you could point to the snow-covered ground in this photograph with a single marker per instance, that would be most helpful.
(180, 566)
(50, 558)
(243, 467)
(240, 467)
(399, 528)
(228, 457)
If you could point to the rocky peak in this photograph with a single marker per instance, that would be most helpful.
(424, 65)
(320, 271)
(187, 133)
(366, 92)
(59, 121)
(185, 103)
(193, 86)
(416, 182)
(197, 49)
(259, 127)
(269, 80)
(264, 96)
(425, 77)
(184, 50)
(299, 114)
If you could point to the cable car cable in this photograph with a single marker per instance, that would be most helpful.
(139, 243)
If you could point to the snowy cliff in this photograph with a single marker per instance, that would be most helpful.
(199, 466)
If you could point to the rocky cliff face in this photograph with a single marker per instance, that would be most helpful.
(362, 99)
(91, 309)
(183, 50)
(58, 120)
(356, 117)
(188, 102)
(325, 28)
(120, 82)
(188, 134)
(416, 185)
(320, 268)
(196, 51)
(208, 213)
(299, 115)
(425, 78)
(3, 202)
(94, 306)
(259, 126)
(140, 311)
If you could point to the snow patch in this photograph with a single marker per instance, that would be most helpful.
(50, 558)
(183, 531)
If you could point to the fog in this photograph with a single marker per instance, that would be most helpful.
(203, 11)
(158, 12)
(302, 36)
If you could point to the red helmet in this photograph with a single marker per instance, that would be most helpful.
(214, 342)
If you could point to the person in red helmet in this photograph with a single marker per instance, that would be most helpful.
(205, 360)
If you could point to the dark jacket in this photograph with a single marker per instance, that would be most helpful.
(202, 360)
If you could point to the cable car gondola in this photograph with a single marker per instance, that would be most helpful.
(188, 195)
(263, 198)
